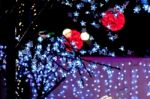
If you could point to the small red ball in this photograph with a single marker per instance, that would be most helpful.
(113, 20)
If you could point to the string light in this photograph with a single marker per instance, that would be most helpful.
(20, 22)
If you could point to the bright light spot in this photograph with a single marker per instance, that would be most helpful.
(85, 36)
(106, 97)
(67, 33)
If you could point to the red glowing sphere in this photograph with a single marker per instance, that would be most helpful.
(113, 20)
(76, 38)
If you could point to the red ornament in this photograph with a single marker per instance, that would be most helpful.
(113, 20)
(75, 37)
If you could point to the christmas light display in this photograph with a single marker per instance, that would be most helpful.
(88, 12)
(46, 66)
(57, 61)
(95, 13)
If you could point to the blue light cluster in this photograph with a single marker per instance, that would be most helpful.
(40, 65)
(3, 57)
(146, 5)
(46, 63)
(3, 63)
(95, 4)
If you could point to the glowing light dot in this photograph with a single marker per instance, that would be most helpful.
(67, 33)
(85, 36)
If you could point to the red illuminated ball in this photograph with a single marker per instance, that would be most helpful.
(113, 20)
(76, 38)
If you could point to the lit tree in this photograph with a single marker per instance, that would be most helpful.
(46, 63)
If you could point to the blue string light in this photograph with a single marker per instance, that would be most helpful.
(46, 65)
(3, 56)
